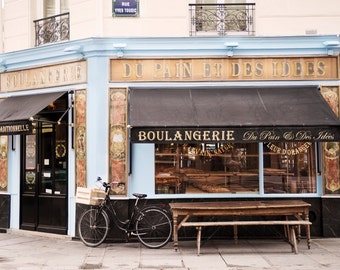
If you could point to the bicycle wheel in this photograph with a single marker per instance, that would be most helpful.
(93, 227)
(153, 227)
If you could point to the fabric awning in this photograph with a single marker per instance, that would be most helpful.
(248, 114)
(16, 111)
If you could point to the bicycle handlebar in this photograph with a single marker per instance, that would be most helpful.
(107, 186)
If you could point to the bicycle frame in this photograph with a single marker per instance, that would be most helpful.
(109, 207)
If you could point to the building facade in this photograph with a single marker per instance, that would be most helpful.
(181, 106)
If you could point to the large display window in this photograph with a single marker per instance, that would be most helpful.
(206, 168)
(235, 168)
(289, 167)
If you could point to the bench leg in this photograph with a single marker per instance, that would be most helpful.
(308, 235)
(199, 233)
(299, 233)
(293, 239)
(235, 234)
(175, 233)
(286, 229)
(285, 232)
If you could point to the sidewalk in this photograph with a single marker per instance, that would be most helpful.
(30, 251)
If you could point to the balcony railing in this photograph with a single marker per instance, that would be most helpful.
(52, 29)
(222, 19)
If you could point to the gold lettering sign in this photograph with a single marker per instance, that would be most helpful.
(188, 135)
(241, 134)
(218, 69)
(291, 151)
(49, 76)
(15, 129)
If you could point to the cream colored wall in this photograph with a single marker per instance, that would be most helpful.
(164, 18)
(157, 18)
(297, 17)
(86, 18)
(1, 32)
(17, 25)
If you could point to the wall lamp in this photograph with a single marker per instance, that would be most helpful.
(3, 66)
(75, 49)
(230, 47)
(330, 44)
(120, 49)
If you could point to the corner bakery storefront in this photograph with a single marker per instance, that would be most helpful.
(36, 121)
(261, 128)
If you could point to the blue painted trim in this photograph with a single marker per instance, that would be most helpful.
(170, 47)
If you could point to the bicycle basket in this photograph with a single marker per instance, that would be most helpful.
(90, 196)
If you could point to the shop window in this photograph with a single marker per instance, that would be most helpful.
(206, 168)
(289, 167)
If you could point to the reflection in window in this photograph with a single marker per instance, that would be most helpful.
(206, 168)
(289, 167)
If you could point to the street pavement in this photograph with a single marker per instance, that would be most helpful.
(22, 250)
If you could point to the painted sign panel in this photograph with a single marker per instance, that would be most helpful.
(221, 69)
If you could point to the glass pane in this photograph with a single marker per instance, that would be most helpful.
(61, 160)
(49, 8)
(30, 152)
(30, 176)
(55, 7)
(64, 6)
(47, 161)
(206, 168)
(289, 167)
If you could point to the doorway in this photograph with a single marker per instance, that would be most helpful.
(44, 172)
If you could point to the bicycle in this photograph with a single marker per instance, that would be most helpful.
(151, 224)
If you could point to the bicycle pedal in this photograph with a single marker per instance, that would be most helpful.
(136, 234)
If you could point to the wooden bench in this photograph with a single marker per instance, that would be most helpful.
(295, 213)
(289, 226)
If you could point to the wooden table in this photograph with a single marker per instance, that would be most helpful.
(290, 209)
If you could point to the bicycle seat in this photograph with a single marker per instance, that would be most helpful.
(139, 196)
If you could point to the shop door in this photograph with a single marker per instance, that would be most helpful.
(44, 179)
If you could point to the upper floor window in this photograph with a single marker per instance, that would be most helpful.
(55, 26)
(222, 17)
(54, 7)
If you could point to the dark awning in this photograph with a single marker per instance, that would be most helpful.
(231, 115)
(16, 111)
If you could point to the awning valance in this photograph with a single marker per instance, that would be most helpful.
(16, 111)
(248, 114)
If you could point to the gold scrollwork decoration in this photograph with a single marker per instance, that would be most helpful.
(60, 150)
(30, 178)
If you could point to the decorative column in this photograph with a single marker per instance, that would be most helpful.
(331, 149)
(118, 140)
(3, 163)
(80, 137)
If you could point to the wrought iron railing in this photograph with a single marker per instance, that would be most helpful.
(52, 29)
(222, 19)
